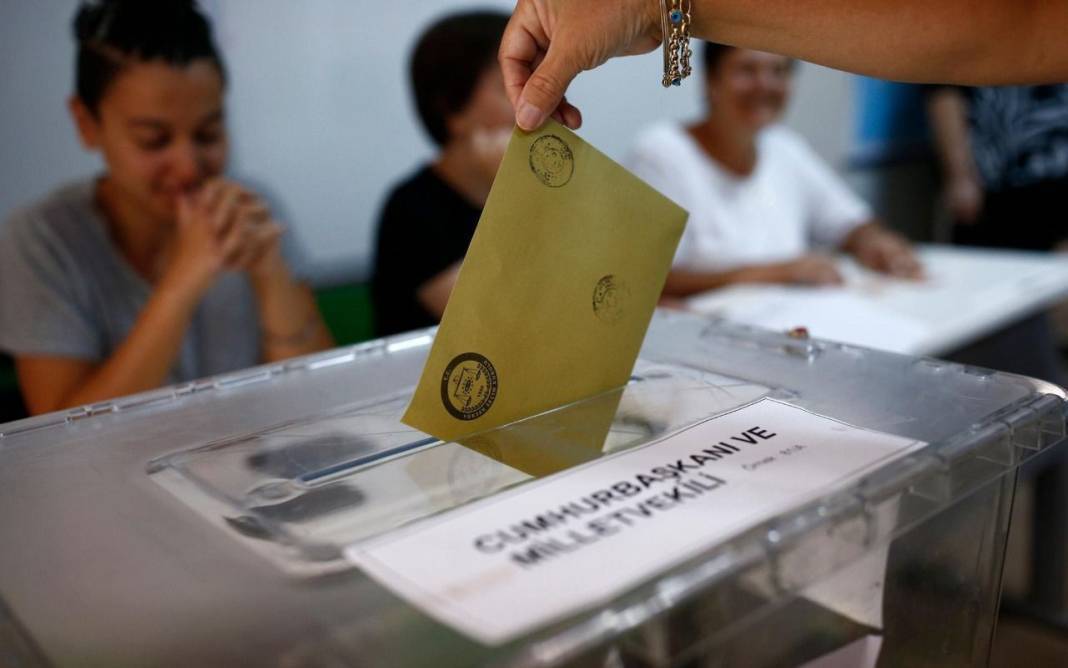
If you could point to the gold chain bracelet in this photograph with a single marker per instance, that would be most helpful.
(675, 21)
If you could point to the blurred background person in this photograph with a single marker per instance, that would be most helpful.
(158, 270)
(759, 198)
(428, 220)
(1004, 157)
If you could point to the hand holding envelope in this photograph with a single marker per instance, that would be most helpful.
(555, 293)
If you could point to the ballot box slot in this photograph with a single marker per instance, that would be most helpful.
(354, 466)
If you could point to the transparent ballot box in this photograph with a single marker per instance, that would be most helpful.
(220, 522)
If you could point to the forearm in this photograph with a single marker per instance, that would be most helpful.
(979, 42)
(434, 294)
(682, 283)
(290, 322)
(147, 355)
(947, 112)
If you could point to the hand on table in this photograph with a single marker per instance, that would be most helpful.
(884, 251)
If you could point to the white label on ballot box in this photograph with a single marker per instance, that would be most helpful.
(508, 564)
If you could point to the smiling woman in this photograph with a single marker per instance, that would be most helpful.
(760, 199)
(160, 269)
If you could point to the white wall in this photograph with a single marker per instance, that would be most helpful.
(319, 108)
(39, 147)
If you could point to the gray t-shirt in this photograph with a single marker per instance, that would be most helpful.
(67, 291)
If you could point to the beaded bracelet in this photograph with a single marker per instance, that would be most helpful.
(676, 40)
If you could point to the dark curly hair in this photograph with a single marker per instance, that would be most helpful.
(113, 33)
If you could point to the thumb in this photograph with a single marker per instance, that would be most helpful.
(545, 89)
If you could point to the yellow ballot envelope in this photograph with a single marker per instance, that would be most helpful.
(556, 291)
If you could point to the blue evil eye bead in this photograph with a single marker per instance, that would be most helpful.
(675, 16)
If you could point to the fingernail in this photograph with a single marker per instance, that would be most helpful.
(529, 116)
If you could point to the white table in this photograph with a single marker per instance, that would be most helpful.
(968, 293)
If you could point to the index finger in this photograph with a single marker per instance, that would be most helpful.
(522, 42)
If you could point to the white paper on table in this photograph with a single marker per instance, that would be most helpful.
(473, 570)
(831, 313)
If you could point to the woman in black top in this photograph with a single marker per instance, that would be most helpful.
(428, 220)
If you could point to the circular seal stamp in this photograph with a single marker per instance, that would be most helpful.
(610, 299)
(551, 161)
(468, 386)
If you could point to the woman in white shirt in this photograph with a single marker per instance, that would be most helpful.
(759, 197)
